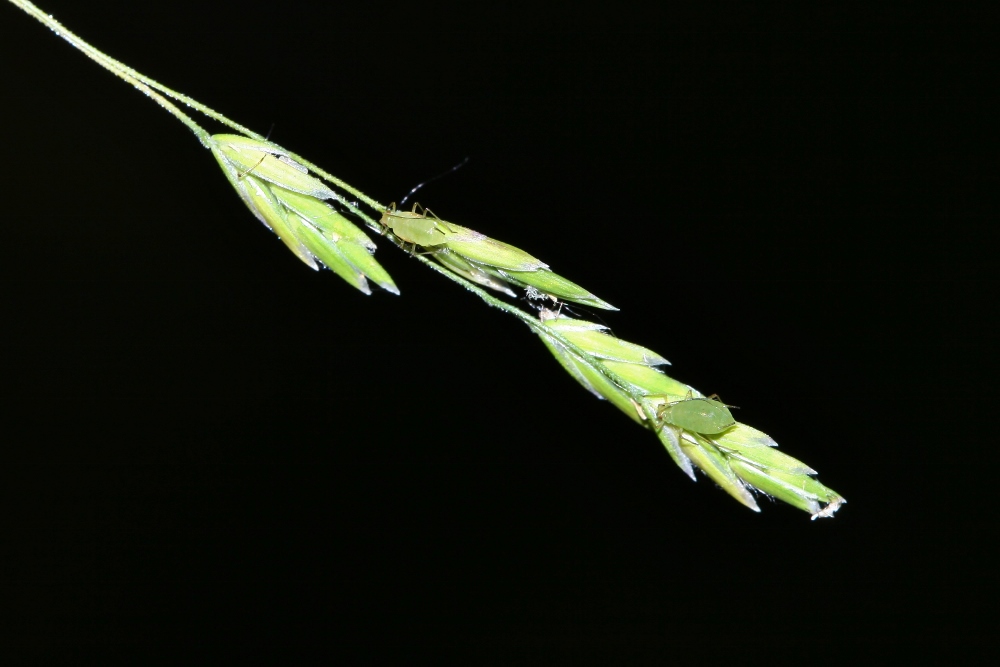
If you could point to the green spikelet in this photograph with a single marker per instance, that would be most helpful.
(282, 194)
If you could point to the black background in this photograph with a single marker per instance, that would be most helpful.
(205, 442)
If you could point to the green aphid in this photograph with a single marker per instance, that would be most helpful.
(698, 415)
(421, 228)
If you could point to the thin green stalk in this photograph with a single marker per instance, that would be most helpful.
(148, 85)
(142, 83)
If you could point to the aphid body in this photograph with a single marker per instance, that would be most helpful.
(421, 228)
(699, 415)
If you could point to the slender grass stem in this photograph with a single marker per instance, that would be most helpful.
(143, 83)
(148, 85)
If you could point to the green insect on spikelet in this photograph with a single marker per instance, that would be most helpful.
(697, 414)
(697, 431)
(479, 258)
(418, 226)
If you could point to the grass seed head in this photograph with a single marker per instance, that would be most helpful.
(290, 202)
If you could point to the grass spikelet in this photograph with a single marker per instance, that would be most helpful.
(733, 455)
(282, 194)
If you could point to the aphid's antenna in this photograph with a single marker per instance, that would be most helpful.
(432, 179)
(583, 311)
(716, 397)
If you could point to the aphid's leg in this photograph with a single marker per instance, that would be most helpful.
(663, 407)
(660, 408)
(638, 408)
(413, 248)
(424, 252)
(403, 244)
(544, 315)
(665, 403)
(239, 177)
(660, 424)
(719, 399)
(696, 438)
(427, 213)
(385, 214)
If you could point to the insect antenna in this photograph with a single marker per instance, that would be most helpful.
(587, 313)
(432, 179)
